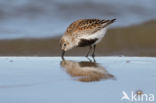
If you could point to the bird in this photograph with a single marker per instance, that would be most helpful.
(86, 71)
(84, 32)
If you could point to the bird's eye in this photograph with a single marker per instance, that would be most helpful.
(64, 44)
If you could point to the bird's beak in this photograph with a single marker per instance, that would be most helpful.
(63, 52)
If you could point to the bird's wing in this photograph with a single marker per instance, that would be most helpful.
(87, 26)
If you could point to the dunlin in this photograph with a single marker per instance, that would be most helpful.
(86, 71)
(84, 32)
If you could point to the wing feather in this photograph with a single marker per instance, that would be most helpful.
(87, 26)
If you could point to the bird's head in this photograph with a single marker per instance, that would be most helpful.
(66, 43)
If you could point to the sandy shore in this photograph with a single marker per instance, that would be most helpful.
(138, 40)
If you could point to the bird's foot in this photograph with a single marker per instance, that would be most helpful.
(87, 55)
(89, 59)
(93, 55)
(62, 57)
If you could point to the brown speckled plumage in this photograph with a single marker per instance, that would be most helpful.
(88, 26)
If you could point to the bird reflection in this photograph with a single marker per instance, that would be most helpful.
(85, 71)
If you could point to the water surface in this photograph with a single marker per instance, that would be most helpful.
(75, 79)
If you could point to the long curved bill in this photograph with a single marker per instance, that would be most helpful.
(62, 55)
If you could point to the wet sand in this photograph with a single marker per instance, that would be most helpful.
(76, 79)
(136, 40)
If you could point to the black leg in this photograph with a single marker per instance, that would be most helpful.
(89, 51)
(89, 59)
(62, 55)
(94, 60)
(93, 55)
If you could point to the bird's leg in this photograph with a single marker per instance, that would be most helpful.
(94, 60)
(62, 55)
(89, 51)
(93, 55)
(89, 59)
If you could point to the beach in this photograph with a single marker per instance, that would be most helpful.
(136, 40)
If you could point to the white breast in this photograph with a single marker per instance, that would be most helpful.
(99, 35)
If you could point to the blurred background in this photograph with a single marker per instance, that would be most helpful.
(33, 27)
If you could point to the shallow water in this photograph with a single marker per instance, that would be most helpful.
(76, 79)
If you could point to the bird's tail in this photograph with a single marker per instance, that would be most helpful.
(108, 22)
(111, 21)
